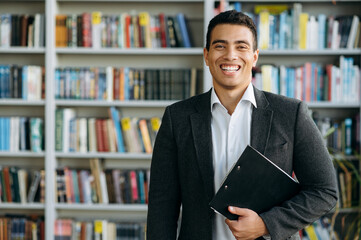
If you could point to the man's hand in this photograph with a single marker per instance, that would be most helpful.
(248, 226)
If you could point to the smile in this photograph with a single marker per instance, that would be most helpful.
(230, 68)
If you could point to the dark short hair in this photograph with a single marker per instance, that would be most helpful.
(232, 17)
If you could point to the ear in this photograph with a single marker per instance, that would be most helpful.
(205, 54)
(255, 57)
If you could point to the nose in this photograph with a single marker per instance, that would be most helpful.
(231, 54)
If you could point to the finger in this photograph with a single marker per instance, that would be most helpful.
(231, 224)
(239, 211)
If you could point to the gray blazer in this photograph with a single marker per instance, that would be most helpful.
(182, 167)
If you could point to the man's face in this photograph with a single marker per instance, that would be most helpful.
(231, 57)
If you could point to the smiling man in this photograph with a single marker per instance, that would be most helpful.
(201, 137)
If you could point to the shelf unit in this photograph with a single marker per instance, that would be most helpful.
(153, 58)
(200, 12)
(294, 57)
(18, 107)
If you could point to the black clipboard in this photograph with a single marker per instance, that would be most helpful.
(254, 182)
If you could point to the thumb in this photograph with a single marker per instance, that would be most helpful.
(238, 211)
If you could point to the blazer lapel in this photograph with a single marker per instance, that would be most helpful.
(202, 135)
(261, 122)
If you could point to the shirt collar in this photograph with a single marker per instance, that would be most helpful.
(247, 96)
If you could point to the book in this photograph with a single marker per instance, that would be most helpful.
(100, 229)
(353, 31)
(144, 23)
(96, 29)
(36, 139)
(111, 136)
(96, 171)
(110, 185)
(63, 229)
(6, 185)
(60, 185)
(264, 30)
(34, 186)
(134, 186)
(15, 190)
(92, 138)
(22, 179)
(60, 31)
(303, 21)
(254, 182)
(114, 114)
(69, 189)
(145, 135)
(86, 186)
(87, 29)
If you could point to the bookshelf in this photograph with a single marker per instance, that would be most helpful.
(323, 109)
(199, 12)
(132, 57)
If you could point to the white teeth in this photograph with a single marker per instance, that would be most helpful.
(230, 68)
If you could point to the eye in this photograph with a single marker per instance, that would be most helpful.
(219, 46)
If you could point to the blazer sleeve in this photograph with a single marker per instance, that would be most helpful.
(164, 190)
(315, 172)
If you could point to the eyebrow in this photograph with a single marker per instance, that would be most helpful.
(224, 41)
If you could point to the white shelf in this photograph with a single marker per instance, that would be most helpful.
(132, 51)
(26, 154)
(26, 206)
(27, 1)
(332, 105)
(141, 1)
(22, 50)
(105, 155)
(296, 1)
(346, 210)
(21, 102)
(324, 52)
(103, 103)
(342, 157)
(103, 207)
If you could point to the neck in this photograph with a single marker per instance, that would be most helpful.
(230, 97)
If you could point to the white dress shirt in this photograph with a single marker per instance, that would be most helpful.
(230, 136)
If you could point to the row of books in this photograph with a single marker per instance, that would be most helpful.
(18, 185)
(320, 229)
(102, 186)
(348, 183)
(342, 138)
(25, 82)
(134, 30)
(22, 227)
(279, 30)
(68, 229)
(21, 134)
(282, 27)
(340, 135)
(22, 30)
(113, 134)
(222, 5)
(123, 83)
(312, 81)
(334, 226)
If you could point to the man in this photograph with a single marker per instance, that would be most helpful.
(201, 137)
